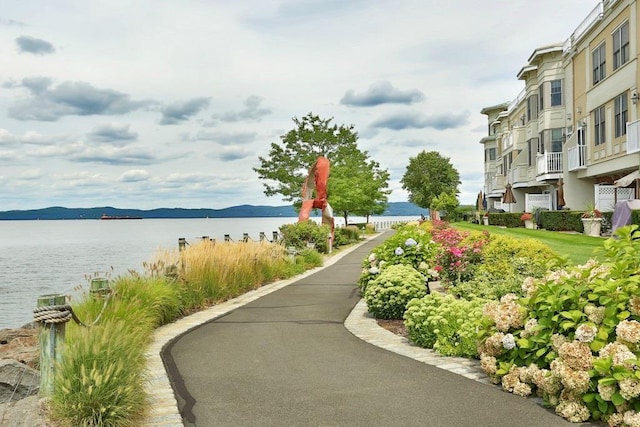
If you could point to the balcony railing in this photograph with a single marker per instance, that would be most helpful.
(633, 137)
(498, 182)
(596, 14)
(577, 157)
(519, 174)
(549, 163)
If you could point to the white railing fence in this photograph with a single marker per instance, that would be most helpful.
(533, 201)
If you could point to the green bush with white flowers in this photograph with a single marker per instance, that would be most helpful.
(444, 323)
(410, 245)
(388, 294)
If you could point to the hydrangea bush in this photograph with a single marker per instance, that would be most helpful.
(574, 338)
(411, 245)
(444, 323)
(388, 294)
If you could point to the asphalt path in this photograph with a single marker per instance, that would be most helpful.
(287, 360)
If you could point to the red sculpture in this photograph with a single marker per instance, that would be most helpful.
(320, 173)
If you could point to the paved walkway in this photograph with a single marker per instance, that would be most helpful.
(294, 354)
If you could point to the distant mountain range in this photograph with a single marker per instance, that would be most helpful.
(242, 211)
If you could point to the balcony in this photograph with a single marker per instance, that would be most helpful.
(549, 166)
(577, 157)
(519, 176)
(498, 182)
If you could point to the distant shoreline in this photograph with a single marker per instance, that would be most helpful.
(242, 211)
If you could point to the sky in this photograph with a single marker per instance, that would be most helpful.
(157, 103)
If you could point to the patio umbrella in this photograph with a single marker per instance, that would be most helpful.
(479, 201)
(508, 196)
(561, 201)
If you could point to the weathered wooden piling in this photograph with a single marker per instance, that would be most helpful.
(182, 244)
(51, 343)
(99, 287)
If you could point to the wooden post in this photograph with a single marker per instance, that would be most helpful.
(227, 238)
(182, 243)
(51, 344)
(245, 237)
(205, 238)
(275, 236)
(99, 287)
(263, 236)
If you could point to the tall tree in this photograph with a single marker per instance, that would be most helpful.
(358, 186)
(355, 181)
(427, 176)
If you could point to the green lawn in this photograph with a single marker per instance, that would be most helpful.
(577, 247)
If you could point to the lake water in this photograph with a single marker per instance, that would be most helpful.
(55, 257)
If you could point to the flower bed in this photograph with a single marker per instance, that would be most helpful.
(568, 335)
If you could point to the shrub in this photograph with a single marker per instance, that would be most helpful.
(300, 234)
(564, 220)
(444, 323)
(575, 338)
(506, 219)
(506, 263)
(410, 245)
(388, 294)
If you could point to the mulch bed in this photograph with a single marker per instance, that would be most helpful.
(395, 326)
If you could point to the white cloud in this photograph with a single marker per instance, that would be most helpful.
(134, 175)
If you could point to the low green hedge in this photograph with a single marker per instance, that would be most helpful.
(506, 219)
(564, 220)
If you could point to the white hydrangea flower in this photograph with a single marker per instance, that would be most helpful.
(586, 332)
(374, 270)
(372, 257)
(423, 266)
(410, 243)
(399, 251)
(508, 341)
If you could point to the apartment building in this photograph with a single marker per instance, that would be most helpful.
(575, 124)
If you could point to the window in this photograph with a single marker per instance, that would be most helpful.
(532, 107)
(540, 97)
(556, 140)
(621, 114)
(489, 154)
(599, 62)
(599, 125)
(532, 148)
(556, 92)
(541, 143)
(621, 46)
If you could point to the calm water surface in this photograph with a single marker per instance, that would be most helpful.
(55, 257)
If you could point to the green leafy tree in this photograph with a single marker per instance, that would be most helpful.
(357, 184)
(427, 176)
(445, 202)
